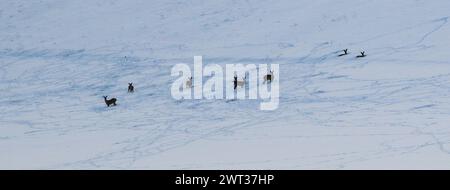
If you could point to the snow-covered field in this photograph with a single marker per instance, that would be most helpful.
(389, 110)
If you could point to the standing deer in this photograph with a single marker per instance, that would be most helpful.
(111, 101)
(189, 83)
(241, 83)
(130, 87)
(268, 77)
(238, 83)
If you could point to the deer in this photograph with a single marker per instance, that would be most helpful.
(363, 54)
(239, 83)
(345, 53)
(268, 77)
(189, 83)
(109, 102)
(130, 88)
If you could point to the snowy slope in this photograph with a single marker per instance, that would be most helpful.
(390, 110)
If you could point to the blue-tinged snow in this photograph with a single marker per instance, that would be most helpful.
(389, 110)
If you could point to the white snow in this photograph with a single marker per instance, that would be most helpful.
(389, 110)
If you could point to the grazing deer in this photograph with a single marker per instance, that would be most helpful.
(363, 54)
(130, 87)
(345, 52)
(111, 101)
(268, 77)
(238, 83)
(189, 83)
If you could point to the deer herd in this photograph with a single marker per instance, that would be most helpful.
(237, 83)
(112, 101)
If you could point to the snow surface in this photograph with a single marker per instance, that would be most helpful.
(390, 110)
